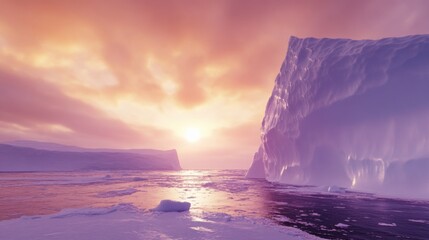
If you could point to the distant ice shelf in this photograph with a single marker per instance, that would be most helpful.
(350, 113)
(41, 156)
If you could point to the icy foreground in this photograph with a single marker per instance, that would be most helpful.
(41, 156)
(352, 114)
(125, 221)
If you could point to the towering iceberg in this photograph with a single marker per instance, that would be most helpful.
(353, 113)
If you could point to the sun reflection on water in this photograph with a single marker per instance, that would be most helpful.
(212, 191)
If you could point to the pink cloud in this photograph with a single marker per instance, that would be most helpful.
(205, 49)
(43, 108)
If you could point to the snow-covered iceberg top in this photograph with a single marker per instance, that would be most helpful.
(352, 113)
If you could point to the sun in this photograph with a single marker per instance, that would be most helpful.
(192, 135)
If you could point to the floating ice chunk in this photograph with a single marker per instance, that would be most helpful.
(281, 218)
(387, 224)
(172, 206)
(341, 225)
(90, 211)
(417, 220)
(202, 229)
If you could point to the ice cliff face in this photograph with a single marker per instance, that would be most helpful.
(43, 156)
(353, 113)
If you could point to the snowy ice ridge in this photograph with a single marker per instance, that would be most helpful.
(352, 113)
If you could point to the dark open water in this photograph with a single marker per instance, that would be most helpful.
(346, 215)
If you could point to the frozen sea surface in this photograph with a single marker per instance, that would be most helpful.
(225, 205)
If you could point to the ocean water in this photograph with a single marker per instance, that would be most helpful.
(341, 214)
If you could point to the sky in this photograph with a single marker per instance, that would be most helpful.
(193, 75)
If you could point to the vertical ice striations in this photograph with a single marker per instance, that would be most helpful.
(353, 113)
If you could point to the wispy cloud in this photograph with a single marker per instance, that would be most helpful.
(137, 73)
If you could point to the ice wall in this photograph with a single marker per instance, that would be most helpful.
(353, 113)
(41, 156)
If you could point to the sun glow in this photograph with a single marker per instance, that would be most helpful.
(192, 134)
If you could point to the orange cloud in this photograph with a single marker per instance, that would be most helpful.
(135, 73)
(32, 105)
